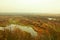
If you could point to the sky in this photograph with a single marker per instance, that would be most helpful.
(30, 6)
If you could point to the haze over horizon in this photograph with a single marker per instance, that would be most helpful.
(30, 6)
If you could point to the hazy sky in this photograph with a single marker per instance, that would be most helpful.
(30, 6)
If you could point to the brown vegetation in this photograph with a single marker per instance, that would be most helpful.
(45, 31)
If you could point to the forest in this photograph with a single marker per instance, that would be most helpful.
(46, 27)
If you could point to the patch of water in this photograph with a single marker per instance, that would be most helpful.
(28, 29)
